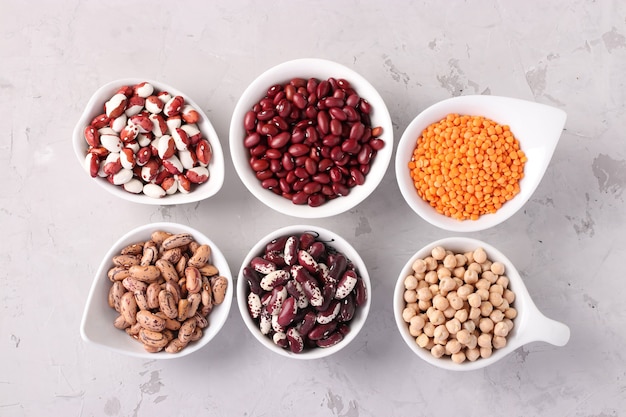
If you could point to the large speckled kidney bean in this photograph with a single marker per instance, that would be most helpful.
(302, 293)
(326, 123)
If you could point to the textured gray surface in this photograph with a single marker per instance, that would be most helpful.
(568, 241)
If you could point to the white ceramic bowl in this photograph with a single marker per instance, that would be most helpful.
(530, 324)
(536, 126)
(332, 240)
(97, 323)
(95, 106)
(322, 70)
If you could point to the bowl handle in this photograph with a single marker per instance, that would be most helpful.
(548, 330)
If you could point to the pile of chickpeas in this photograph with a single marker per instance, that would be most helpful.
(458, 305)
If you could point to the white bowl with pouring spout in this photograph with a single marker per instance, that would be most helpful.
(536, 126)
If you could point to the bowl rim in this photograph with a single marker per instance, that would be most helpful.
(527, 313)
(216, 166)
(348, 250)
(523, 116)
(101, 282)
(304, 68)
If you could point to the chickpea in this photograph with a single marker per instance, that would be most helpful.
(458, 357)
(422, 284)
(434, 289)
(497, 289)
(486, 308)
(497, 268)
(419, 266)
(474, 300)
(438, 253)
(472, 354)
(470, 276)
(489, 276)
(453, 326)
(431, 277)
(458, 272)
(459, 281)
(446, 285)
(484, 340)
(431, 263)
(498, 342)
(509, 323)
(510, 313)
(461, 315)
(424, 305)
(509, 296)
(414, 331)
(419, 275)
(464, 291)
(497, 316)
(407, 314)
(482, 284)
(483, 294)
(449, 312)
(441, 334)
(501, 329)
(413, 306)
(473, 342)
(453, 346)
(461, 260)
(463, 336)
(503, 281)
(455, 301)
(485, 325)
(443, 272)
(479, 255)
(469, 257)
(485, 266)
(418, 321)
(410, 296)
(485, 352)
(438, 351)
(474, 313)
(449, 261)
(429, 329)
(440, 302)
(503, 306)
(410, 282)
(424, 294)
(436, 317)
(422, 340)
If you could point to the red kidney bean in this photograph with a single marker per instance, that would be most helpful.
(299, 198)
(298, 149)
(336, 154)
(316, 200)
(285, 187)
(299, 185)
(249, 120)
(275, 166)
(299, 101)
(264, 115)
(264, 175)
(301, 172)
(357, 130)
(267, 129)
(351, 146)
(325, 164)
(273, 90)
(376, 144)
(352, 115)
(337, 113)
(259, 164)
(357, 175)
(321, 178)
(312, 187)
(365, 155)
(365, 106)
(323, 122)
(279, 140)
(336, 128)
(283, 108)
(323, 88)
(311, 135)
(280, 123)
(341, 189)
(251, 140)
(273, 153)
(258, 150)
(269, 183)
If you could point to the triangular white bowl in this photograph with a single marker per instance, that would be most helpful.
(530, 324)
(97, 323)
(95, 106)
(537, 127)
